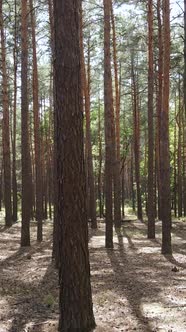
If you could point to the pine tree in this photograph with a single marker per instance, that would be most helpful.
(76, 312)
(164, 136)
(5, 128)
(25, 150)
(109, 123)
(38, 169)
(150, 207)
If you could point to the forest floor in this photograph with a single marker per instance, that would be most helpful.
(134, 287)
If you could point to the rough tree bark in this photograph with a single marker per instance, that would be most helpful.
(76, 312)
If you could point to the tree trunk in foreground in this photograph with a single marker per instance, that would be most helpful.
(76, 310)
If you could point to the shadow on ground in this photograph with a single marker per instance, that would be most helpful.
(134, 287)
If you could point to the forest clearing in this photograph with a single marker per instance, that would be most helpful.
(134, 286)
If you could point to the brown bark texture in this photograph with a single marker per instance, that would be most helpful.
(76, 310)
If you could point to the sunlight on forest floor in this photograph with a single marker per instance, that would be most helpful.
(134, 287)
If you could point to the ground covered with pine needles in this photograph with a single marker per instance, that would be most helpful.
(135, 288)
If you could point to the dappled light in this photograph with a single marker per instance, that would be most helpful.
(92, 166)
(133, 281)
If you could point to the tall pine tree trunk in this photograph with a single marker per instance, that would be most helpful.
(76, 312)
(100, 158)
(38, 170)
(179, 152)
(14, 177)
(184, 153)
(55, 251)
(159, 101)
(86, 93)
(164, 137)
(25, 149)
(117, 179)
(5, 128)
(136, 130)
(108, 114)
(150, 204)
(175, 160)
